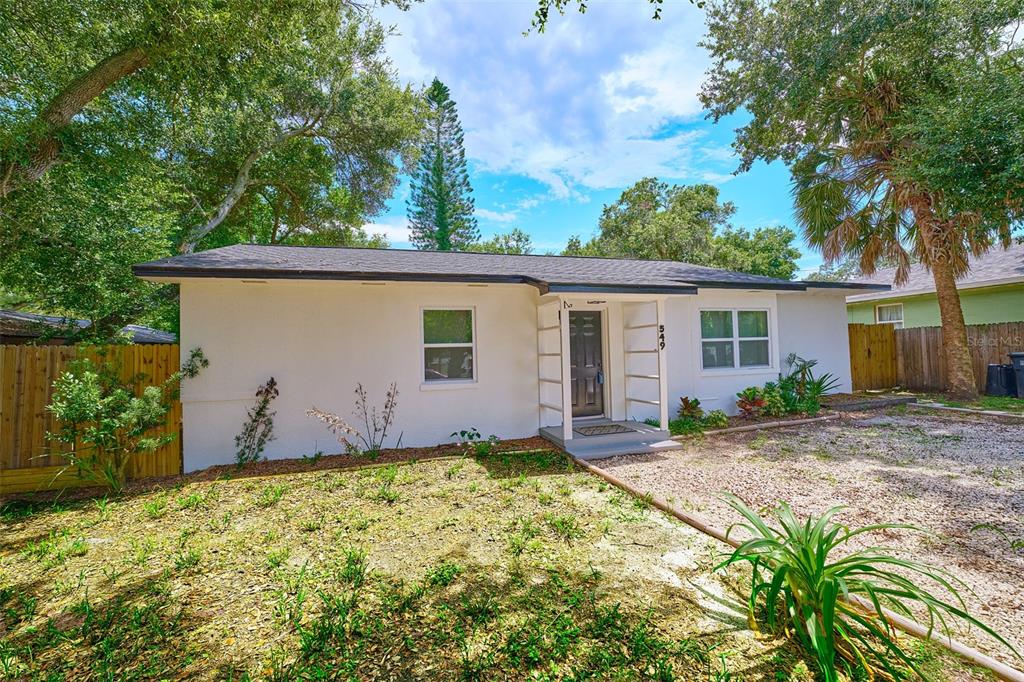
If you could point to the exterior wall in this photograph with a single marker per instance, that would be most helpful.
(319, 338)
(812, 325)
(981, 306)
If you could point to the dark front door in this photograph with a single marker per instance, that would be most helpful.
(585, 363)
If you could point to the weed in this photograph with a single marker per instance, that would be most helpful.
(156, 507)
(387, 494)
(454, 469)
(565, 526)
(277, 557)
(188, 558)
(142, 549)
(311, 525)
(443, 574)
(270, 495)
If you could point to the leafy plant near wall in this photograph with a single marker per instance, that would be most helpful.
(473, 444)
(258, 429)
(750, 401)
(376, 422)
(716, 419)
(106, 420)
(806, 574)
(681, 426)
(690, 408)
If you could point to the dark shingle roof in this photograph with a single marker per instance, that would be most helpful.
(997, 265)
(549, 273)
(30, 325)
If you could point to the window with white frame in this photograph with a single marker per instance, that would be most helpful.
(449, 345)
(891, 313)
(734, 338)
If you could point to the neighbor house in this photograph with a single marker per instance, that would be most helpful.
(993, 291)
(509, 345)
(18, 327)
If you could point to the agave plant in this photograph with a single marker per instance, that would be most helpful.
(835, 601)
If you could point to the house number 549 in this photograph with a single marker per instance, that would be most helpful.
(661, 337)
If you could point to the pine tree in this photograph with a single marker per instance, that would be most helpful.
(440, 209)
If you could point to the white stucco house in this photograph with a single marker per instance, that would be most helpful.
(510, 345)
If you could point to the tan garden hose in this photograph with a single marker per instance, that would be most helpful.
(1000, 670)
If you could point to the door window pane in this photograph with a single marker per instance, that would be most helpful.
(716, 324)
(717, 354)
(753, 323)
(441, 364)
(754, 353)
(447, 326)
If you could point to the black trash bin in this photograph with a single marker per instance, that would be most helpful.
(1018, 367)
(1001, 381)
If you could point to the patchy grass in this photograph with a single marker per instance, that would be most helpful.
(511, 566)
(985, 402)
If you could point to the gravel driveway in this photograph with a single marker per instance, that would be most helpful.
(945, 473)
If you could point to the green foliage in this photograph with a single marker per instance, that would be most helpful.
(440, 208)
(515, 242)
(750, 401)
(231, 124)
(473, 444)
(658, 221)
(258, 429)
(690, 408)
(716, 419)
(681, 426)
(805, 572)
(106, 420)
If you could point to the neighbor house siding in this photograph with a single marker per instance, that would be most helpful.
(986, 305)
(317, 339)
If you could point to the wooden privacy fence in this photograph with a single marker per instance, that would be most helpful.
(872, 356)
(28, 461)
(913, 359)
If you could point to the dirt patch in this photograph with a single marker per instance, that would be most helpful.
(960, 477)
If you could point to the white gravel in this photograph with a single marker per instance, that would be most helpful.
(942, 472)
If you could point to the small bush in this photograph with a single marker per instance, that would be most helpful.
(690, 408)
(651, 421)
(716, 419)
(750, 401)
(684, 425)
(473, 444)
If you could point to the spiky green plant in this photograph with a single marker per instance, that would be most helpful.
(805, 575)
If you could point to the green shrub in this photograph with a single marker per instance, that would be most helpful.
(690, 408)
(651, 421)
(108, 421)
(774, 403)
(806, 572)
(684, 425)
(716, 419)
(750, 401)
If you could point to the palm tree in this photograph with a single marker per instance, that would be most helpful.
(851, 202)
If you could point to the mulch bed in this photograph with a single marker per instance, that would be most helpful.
(741, 420)
(864, 401)
(275, 467)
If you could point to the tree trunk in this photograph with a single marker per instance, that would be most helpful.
(935, 238)
(959, 370)
(61, 110)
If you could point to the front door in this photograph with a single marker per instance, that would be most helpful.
(585, 363)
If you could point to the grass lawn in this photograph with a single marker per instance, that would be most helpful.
(985, 402)
(508, 567)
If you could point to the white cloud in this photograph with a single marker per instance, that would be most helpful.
(596, 102)
(395, 229)
(496, 216)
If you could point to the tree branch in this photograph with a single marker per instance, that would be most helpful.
(62, 109)
(241, 183)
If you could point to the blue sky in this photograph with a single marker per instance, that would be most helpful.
(558, 124)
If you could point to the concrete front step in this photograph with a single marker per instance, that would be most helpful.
(643, 439)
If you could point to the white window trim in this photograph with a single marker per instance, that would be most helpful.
(447, 384)
(736, 368)
(897, 323)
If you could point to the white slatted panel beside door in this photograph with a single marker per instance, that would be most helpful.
(549, 364)
(643, 347)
